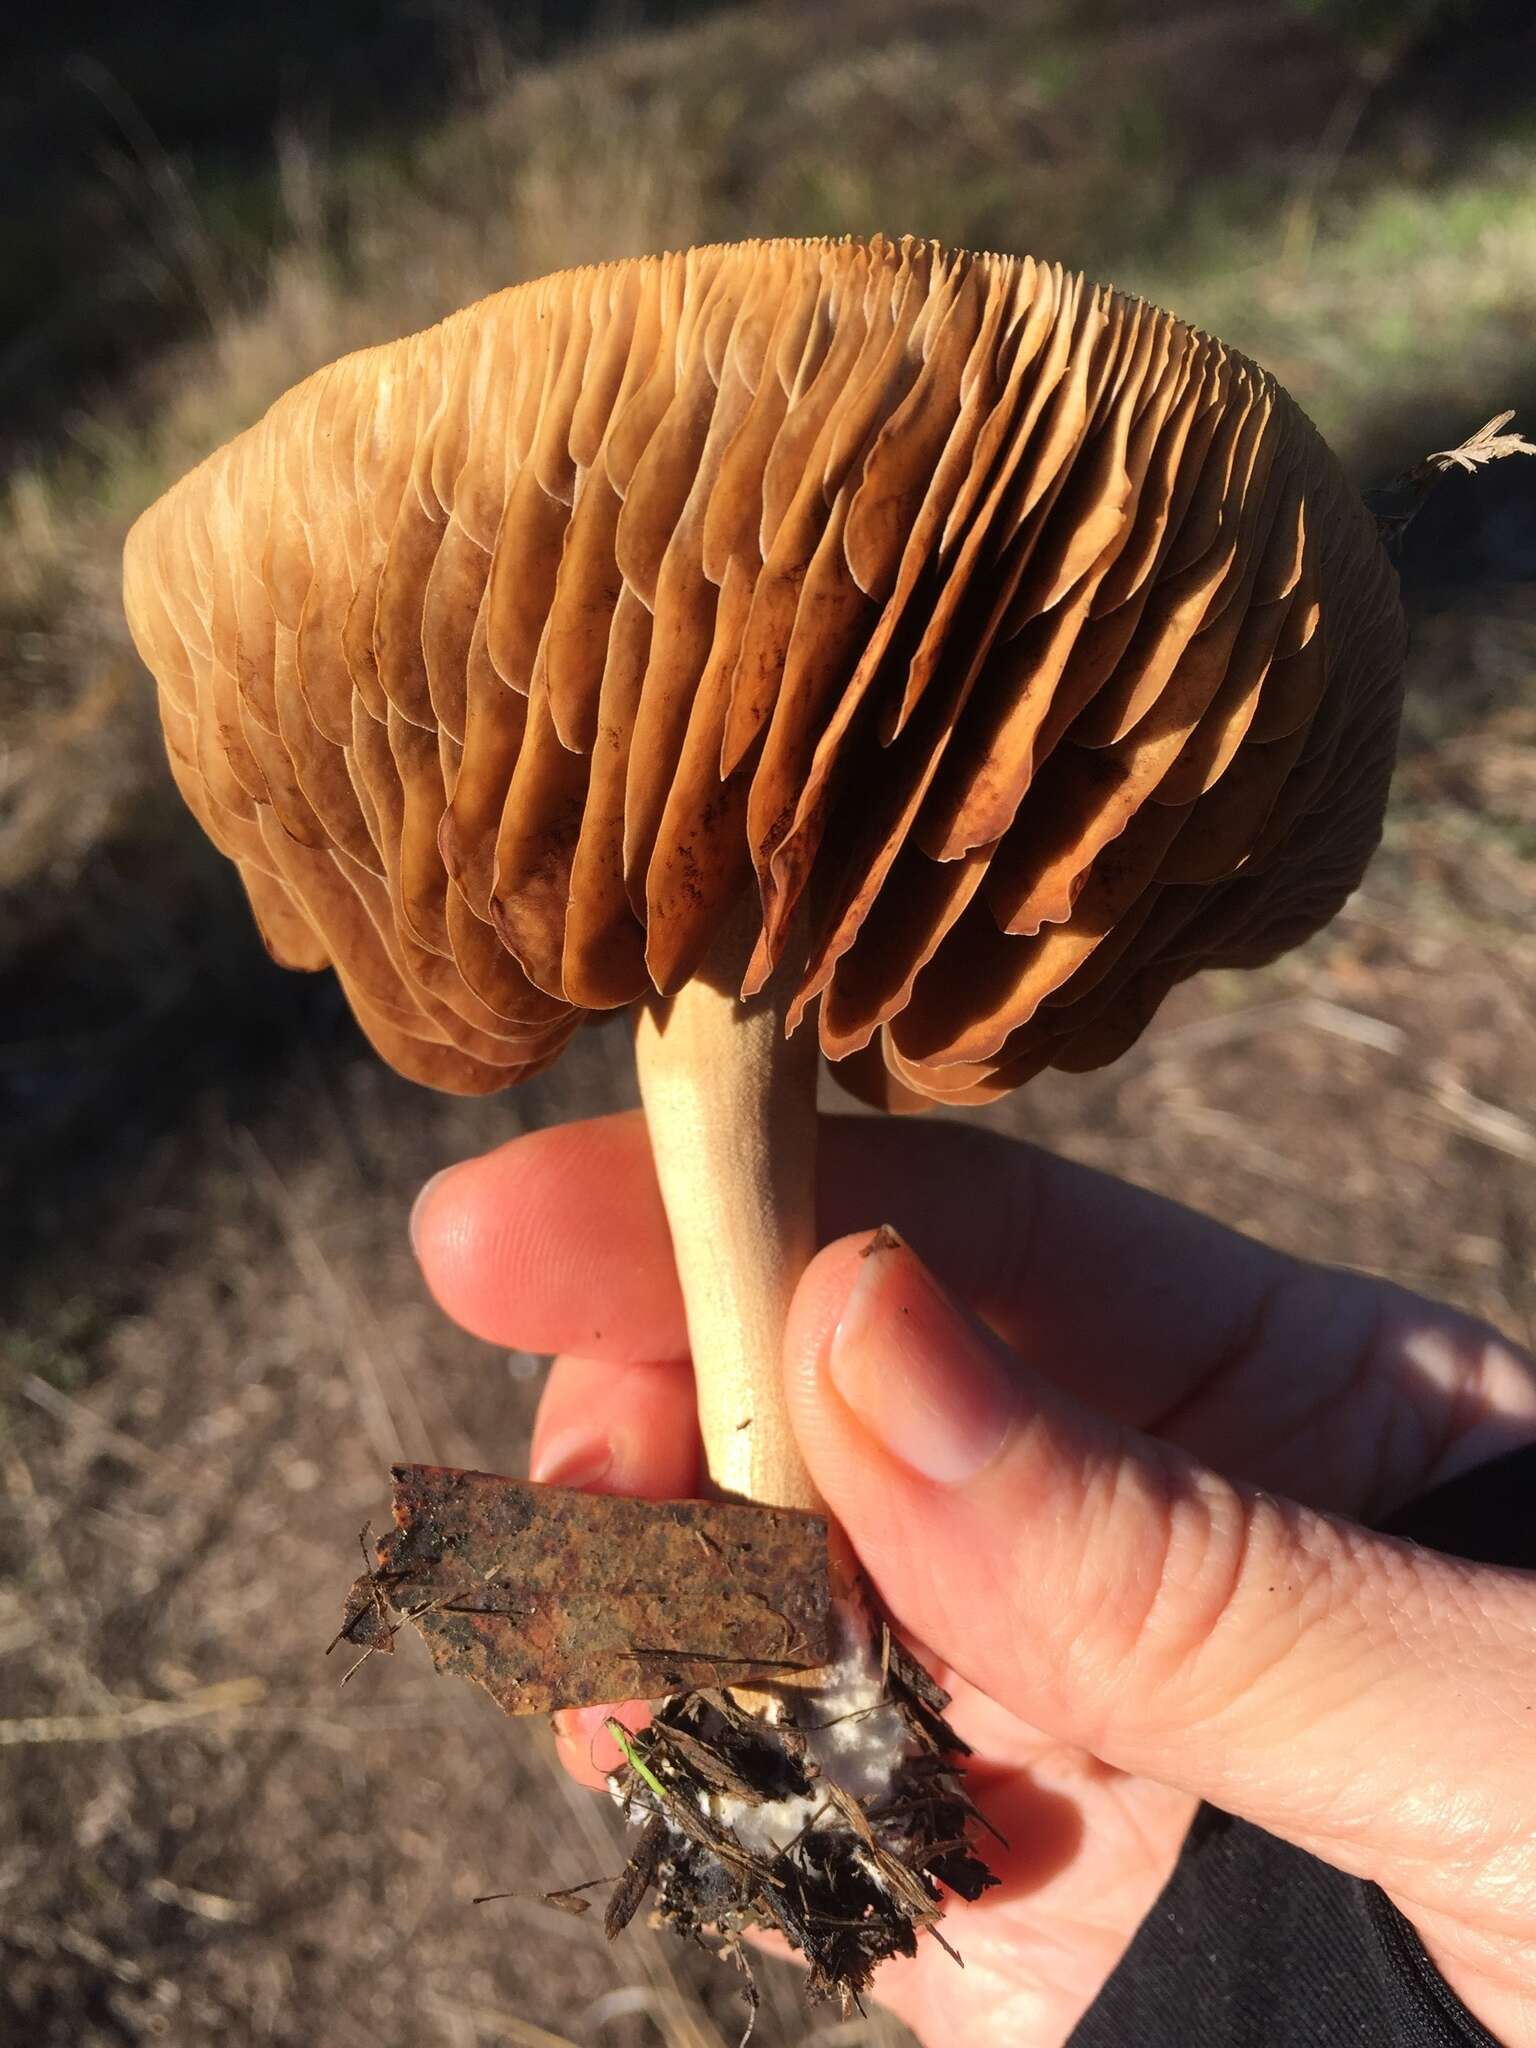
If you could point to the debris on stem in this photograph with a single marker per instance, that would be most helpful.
(841, 1824)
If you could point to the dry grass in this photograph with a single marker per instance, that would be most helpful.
(217, 1337)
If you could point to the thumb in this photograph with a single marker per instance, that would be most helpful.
(1354, 1693)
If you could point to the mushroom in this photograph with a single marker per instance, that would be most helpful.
(918, 658)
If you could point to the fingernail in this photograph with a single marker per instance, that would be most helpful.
(916, 1372)
(419, 1206)
(576, 1457)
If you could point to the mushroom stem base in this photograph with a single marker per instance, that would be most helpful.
(841, 1822)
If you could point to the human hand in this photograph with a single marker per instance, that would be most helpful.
(1111, 1466)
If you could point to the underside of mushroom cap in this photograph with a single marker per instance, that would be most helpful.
(1022, 646)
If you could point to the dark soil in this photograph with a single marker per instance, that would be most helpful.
(861, 1881)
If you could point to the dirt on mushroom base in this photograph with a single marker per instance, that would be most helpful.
(831, 1811)
(784, 1826)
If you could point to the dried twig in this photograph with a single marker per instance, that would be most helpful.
(489, 2021)
(146, 1717)
(339, 1303)
(1372, 70)
(1489, 444)
(69, 1630)
(1397, 504)
(75, 1415)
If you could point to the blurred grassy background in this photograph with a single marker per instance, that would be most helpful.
(213, 1338)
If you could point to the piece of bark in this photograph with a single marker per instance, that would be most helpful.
(638, 1876)
(552, 1598)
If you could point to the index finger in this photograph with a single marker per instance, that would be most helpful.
(558, 1241)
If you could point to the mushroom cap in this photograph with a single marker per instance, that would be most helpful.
(1024, 648)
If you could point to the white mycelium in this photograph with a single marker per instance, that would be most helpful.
(855, 1738)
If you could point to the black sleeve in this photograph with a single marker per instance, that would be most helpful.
(1254, 1944)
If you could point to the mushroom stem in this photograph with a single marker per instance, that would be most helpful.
(844, 1782)
(731, 1107)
